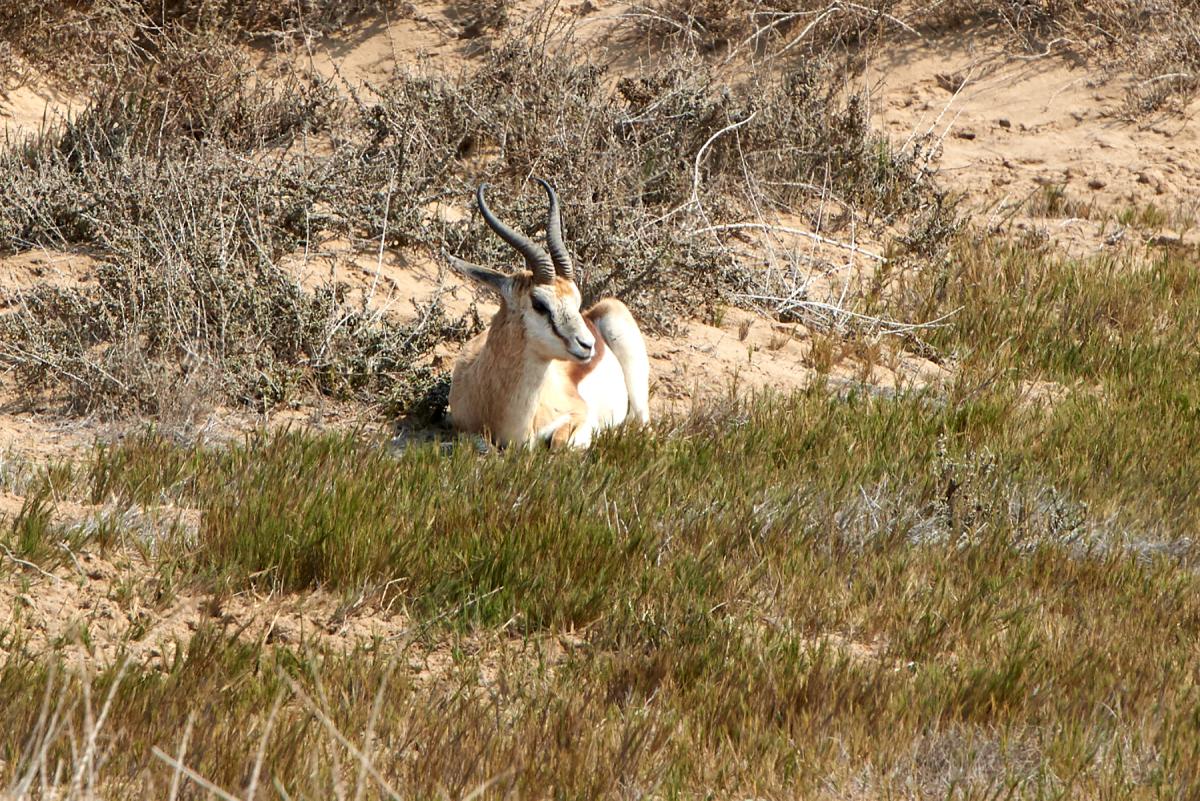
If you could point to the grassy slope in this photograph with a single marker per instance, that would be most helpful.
(830, 595)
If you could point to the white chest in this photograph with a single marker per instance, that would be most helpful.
(603, 390)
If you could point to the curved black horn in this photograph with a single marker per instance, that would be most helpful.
(554, 237)
(535, 258)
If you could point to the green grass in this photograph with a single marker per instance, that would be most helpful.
(958, 592)
(715, 575)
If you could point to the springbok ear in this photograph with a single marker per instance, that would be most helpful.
(483, 276)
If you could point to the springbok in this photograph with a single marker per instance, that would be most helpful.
(544, 371)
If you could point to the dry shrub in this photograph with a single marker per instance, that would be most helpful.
(812, 26)
(113, 36)
(1159, 42)
(188, 286)
(625, 165)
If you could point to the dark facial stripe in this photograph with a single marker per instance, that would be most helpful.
(557, 333)
(567, 342)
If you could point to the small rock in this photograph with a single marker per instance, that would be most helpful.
(1165, 241)
(276, 635)
(1096, 183)
(951, 82)
(965, 133)
(1151, 178)
(1004, 122)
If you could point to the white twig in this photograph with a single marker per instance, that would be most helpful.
(1049, 46)
(781, 19)
(89, 753)
(360, 784)
(41, 738)
(341, 738)
(252, 785)
(807, 29)
(193, 775)
(704, 149)
(483, 788)
(24, 563)
(885, 15)
(177, 774)
(387, 207)
(694, 200)
(679, 26)
(890, 326)
(795, 232)
(1168, 77)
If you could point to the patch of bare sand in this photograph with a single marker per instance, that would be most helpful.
(29, 440)
(120, 617)
(34, 106)
(1013, 128)
(99, 610)
(116, 603)
(27, 437)
(444, 36)
(43, 268)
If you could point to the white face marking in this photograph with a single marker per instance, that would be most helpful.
(555, 325)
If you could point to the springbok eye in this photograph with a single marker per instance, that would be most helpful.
(540, 306)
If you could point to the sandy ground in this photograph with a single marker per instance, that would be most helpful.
(1013, 128)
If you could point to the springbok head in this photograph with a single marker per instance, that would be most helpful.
(545, 298)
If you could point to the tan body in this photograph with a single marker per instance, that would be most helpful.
(557, 401)
(544, 371)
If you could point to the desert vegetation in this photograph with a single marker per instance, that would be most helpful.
(181, 159)
(980, 584)
(1158, 41)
